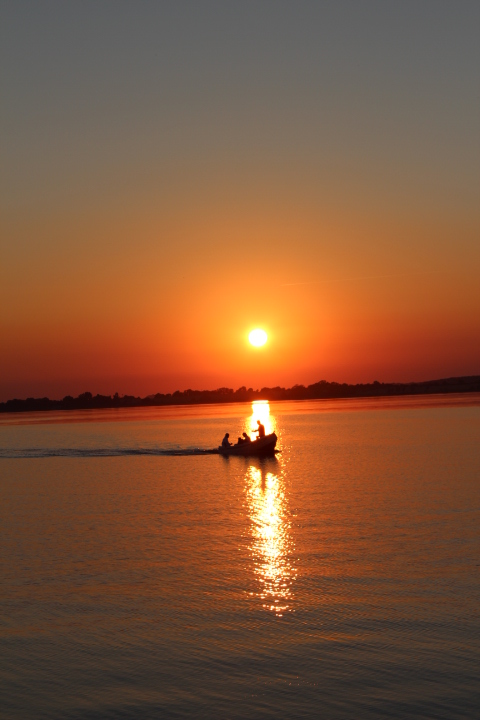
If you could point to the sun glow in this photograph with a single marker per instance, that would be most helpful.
(258, 337)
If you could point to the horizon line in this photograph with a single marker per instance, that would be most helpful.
(243, 389)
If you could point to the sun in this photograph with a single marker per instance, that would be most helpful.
(258, 337)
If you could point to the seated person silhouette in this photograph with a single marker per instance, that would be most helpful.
(246, 438)
(226, 442)
(260, 430)
(240, 441)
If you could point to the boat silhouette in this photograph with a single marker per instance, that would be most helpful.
(257, 448)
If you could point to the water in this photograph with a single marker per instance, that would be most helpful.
(338, 580)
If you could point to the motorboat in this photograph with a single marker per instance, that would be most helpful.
(260, 447)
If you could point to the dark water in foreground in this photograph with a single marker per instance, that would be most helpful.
(339, 580)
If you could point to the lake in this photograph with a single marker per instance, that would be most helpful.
(340, 579)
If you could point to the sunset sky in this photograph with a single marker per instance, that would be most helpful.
(176, 174)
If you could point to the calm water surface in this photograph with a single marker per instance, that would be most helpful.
(339, 580)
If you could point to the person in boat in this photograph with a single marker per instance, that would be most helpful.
(226, 442)
(246, 438)
(240, 441)
(260, 430)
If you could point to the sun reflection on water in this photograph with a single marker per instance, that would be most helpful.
(260, 411)
(270, 527)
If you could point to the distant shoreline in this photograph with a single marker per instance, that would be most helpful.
(322, 390)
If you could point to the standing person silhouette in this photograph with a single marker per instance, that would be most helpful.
(260, 430)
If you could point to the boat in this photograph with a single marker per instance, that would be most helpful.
(260, 447)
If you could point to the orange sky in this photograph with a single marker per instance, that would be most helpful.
(143, 235)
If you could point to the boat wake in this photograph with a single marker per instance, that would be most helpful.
(101, 452)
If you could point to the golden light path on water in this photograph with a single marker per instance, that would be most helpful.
(272, 543)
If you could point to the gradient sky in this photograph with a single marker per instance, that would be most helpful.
(175, 174)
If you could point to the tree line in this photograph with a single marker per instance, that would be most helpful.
(316, 391)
